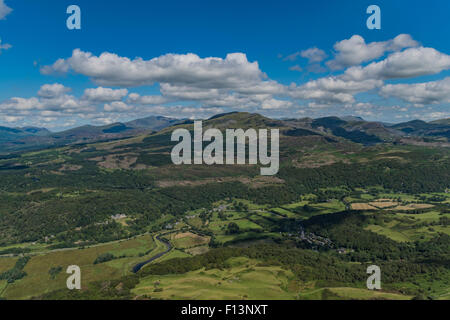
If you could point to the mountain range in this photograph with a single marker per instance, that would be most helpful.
(350, 128)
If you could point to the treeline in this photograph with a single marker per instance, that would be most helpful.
(306, 265)
(16, 272)
(346, 229)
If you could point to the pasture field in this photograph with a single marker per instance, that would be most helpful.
(39, 281)
(7, 263)
(329, 207)
(244, 280)
(186, 240)
(197, 250)
(362, 206)
(172, 254)
(295, 204)
(346, 293)
(406, 227)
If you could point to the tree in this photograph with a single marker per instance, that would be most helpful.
(232, 228)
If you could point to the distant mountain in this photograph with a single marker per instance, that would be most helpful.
(349, 128)
(155, 123)
(9, 134)
(442, 121)
(16, 139)
(439, 128)
(351, 118)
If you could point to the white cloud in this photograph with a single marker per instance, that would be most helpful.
(4, 10)
(181, 69)
(117, 106)
(354, 51)
(432, 92)
(313, 54)
(101, 94)
(20, 104)
(276, 104)
(59, 67)
(204, 86)
(12, 118)
(5, 46)
(437, 115)
(332, 90)
(409, 63)
(52, 90)
(146, 100)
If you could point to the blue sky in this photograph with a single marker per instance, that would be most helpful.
(198, 58)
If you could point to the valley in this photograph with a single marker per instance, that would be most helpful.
(348, 194)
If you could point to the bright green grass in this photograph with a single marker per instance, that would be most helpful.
(251, 205)
(402, 196)
(195, 222)
(366, 196)
(284, 212)
(329, 207)
(174, 253)
(430, 216)
(387, 232)
(244, 280)
(429, 284)
(407, 227)
(38, 280)
(270, 215)
(219, 227)
(295, 205)
(28, 245)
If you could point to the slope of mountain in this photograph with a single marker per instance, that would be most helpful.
(16, 139)
(8, 134)
(349, 128)
(155, 123)
(439, 128)
(441, 121)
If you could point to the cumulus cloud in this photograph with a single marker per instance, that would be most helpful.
(146, 100)
(205, 86)
(4, 10)
(12, 118)
(313, 54)
(410, 63)
(101, 94)
(276, 104)
(52, 90)
(183, 69)
(20, 104)
(354, 51)
(117, 106)
(432, 92)
(60, 66)
(51, 101)
(331, 90)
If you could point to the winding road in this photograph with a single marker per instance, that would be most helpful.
(139, 266)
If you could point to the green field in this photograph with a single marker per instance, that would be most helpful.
(39, 281)
(350, 294)
(244, 280)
